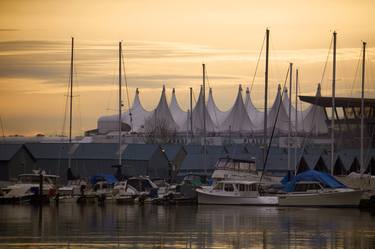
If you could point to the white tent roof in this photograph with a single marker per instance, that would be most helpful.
(282, 123)
(256, 116)
(198, 112)
(314, 119)
(237, 119)
(216, 114)
(136, 120)
(178, 114)
(161, 117)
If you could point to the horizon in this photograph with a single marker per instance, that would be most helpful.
(167, 48)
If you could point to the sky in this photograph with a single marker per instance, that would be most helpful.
(165, 43)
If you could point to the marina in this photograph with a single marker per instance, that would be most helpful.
(187, 124)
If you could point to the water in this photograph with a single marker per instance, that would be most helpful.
(150, 226)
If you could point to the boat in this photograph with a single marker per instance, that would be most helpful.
(123, 193)
(26, 189)
(240, 169)
(317, 189)
(235, 192)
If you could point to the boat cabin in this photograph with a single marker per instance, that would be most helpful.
(237, 187)
(35, 178)
(236, 165)
(308, 186)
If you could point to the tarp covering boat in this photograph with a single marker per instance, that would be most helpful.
(326, 180)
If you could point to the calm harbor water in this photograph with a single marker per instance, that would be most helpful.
(120, 226)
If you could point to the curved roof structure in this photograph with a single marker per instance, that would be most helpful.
(241, 117)
(237, 119)
(256, 116)
(198, 113)
(178, 114)
(161, 118)
(216, 114)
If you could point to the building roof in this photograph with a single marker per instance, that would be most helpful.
(172, 150)
(140, 152)
(96, 151)
(48, 150)
(339, 101)
(7, 151)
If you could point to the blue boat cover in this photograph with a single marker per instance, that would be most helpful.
(326, 180)
(110, 179)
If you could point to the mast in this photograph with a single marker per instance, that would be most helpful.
(71, 92)
(265, 97)
(296, 125)
(204, 117)
(290, 114)
(191, 111)
(71, 107)
(119, 105)
(363, 106)
(333, 103)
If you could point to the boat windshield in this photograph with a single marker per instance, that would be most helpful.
(303, 187)
(247, 187)
(34, 179)
(236, 165)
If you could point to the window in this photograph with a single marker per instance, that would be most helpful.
(218, 186)
(228, 187)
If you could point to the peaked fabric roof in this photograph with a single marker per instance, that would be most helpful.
(216, 114)
(241, 117)
(161, 117)
(256, 116)
(282, 122)
(237, 119)
(199, 112)
(178, 114)
(135, 117)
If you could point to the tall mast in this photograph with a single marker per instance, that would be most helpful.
(265, 98)
(191, 111)
(296, 125)
(290, 114)
(204, 117)
(333, 103)
(71, 105)
(363, 106)
(119, 104)
(71, 92)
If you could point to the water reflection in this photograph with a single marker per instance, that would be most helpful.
(111, 226)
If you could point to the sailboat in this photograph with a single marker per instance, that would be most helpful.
(230, 189)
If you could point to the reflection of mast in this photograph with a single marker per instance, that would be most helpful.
(333, 103)
(363, 106)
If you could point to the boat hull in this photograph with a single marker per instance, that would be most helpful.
(325, 199)
(220, 199)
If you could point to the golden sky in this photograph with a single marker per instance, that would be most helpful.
(165, 42)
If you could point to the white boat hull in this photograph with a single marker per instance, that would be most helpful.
(349, 198)
(205, 197)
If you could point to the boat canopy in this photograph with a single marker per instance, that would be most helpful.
(326, 180)
(110, 179)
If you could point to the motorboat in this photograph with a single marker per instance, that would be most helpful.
(123, 193)
(317, 189)
(27, 187)
(235, 192)
(228, 168)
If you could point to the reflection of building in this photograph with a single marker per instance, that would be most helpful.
(347, 118)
